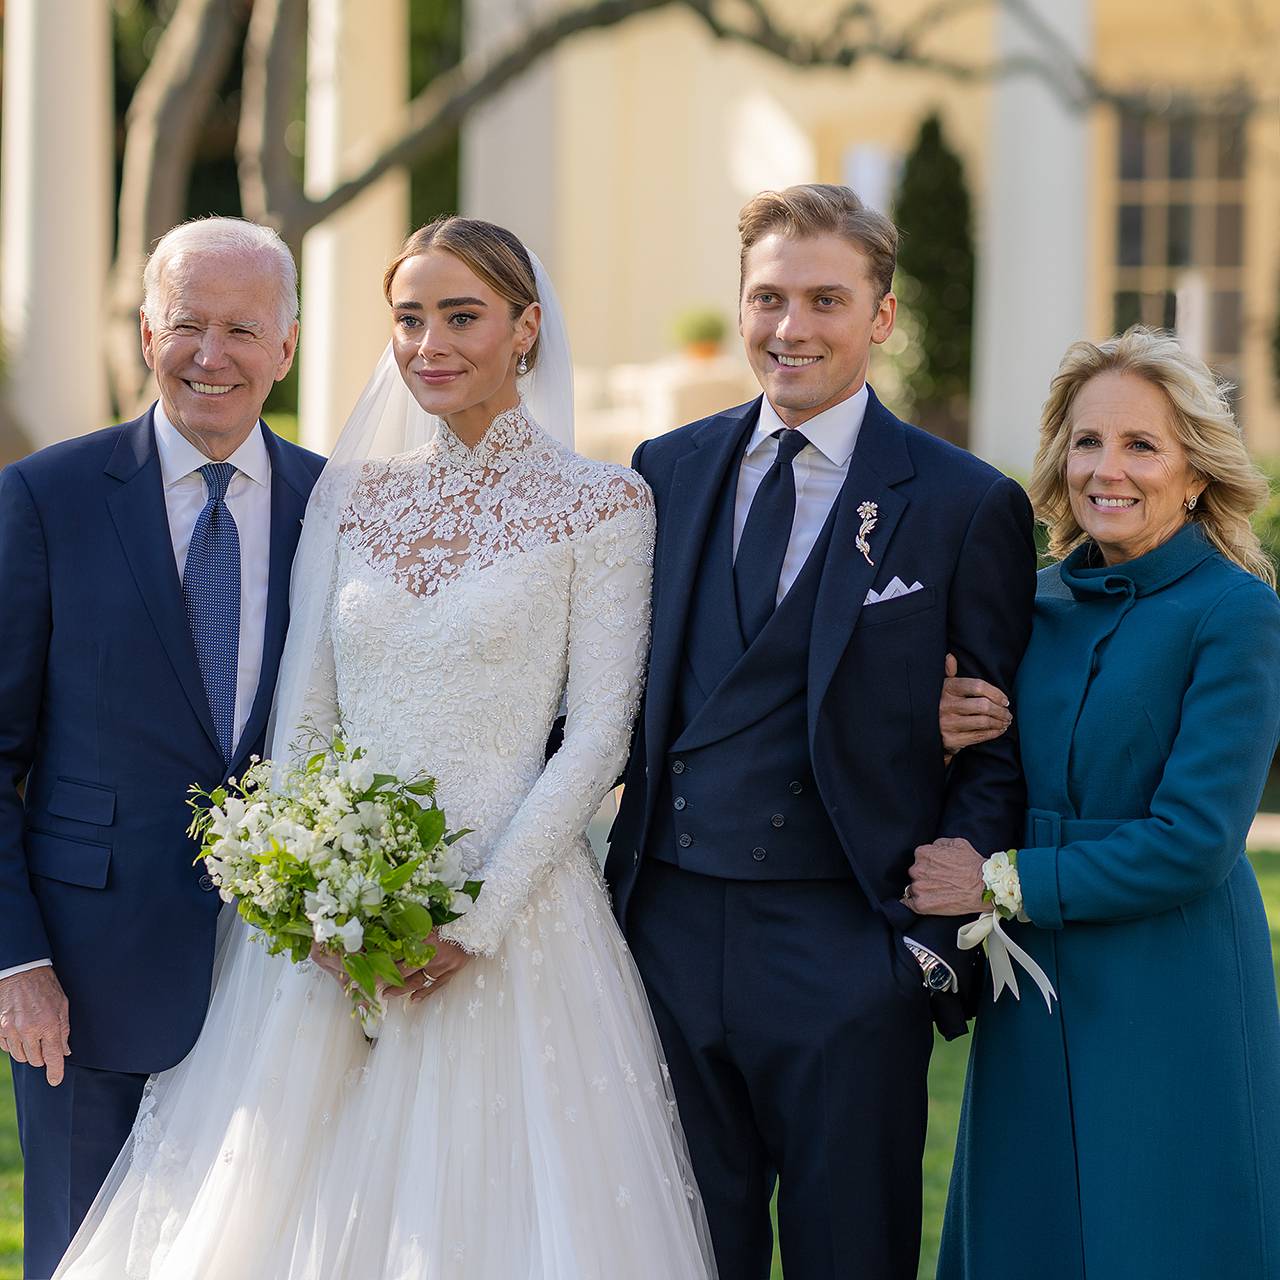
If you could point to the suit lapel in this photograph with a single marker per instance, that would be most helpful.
(137, 509)
(290, 487)
(696, 486)
(880, 461)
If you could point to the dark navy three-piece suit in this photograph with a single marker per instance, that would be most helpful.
(775, 795)
(104, 724)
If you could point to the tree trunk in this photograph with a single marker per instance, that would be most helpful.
(163, 127)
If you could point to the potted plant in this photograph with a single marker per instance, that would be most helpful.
(700, 332)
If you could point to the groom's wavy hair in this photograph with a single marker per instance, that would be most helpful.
(495, 254)
(1205, 426)
(821, 209)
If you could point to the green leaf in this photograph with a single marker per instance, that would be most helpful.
(430, 824)
(361, 972)
(457, 835)
(383, 965)
(427, 787)
(472, 889)
(400, 876)
(410, 920)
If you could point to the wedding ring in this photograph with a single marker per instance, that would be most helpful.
(428, 980)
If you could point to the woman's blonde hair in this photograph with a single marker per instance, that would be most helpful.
(1205, 426)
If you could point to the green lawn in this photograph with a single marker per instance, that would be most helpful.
(946, 1081)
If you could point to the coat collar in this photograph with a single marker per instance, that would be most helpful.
(137, 509)
(697, 483)
(1088, 579)
(880, 462)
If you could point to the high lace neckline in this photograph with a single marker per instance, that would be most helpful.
(511, 435)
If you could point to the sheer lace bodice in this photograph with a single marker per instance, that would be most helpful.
(474, 588)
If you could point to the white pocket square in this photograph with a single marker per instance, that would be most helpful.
(895, 589)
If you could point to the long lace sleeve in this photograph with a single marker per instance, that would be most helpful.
(608, 643)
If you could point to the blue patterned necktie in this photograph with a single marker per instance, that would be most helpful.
(763, 545)
(211, 588)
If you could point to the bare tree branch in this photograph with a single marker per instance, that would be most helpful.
(432, 118)
(163, 125)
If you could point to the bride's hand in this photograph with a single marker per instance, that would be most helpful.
(970, 711)
(331, 963)
(446, 962)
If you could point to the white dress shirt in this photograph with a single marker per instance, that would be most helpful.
(249, 501)
(820, 469)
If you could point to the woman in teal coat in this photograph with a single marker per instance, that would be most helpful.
(1132, 1130)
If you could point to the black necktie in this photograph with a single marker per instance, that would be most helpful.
(763, 545)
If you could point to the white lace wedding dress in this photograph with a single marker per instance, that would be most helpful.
(518, 1124)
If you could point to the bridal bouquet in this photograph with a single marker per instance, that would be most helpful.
(338, 854)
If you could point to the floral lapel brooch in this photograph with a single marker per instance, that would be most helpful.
(869, 513)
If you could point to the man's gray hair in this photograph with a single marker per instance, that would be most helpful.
(223, 235)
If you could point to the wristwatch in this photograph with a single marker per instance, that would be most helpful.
(938, 977)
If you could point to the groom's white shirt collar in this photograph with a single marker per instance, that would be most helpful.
(833, 432)
(179, 457)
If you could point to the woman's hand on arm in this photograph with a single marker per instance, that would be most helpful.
(970, 711)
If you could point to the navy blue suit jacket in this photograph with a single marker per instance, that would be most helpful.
(104, 725)
(945, 519)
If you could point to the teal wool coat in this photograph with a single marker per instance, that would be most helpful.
(1133, 1133)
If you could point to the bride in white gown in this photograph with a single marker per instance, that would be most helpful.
(514, 1120)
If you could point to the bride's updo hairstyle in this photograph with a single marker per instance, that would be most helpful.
(492, 252)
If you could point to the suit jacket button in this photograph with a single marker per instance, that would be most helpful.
(635, 858)
(206, 883)
(685, 840)
(758, 854)
(680, 802)
(777, 820)
(677, 766)
(795, 788)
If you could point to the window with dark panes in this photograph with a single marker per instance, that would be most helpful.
(1180, 228)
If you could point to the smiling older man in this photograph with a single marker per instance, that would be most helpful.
(145, 574)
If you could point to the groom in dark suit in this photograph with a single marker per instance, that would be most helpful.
(817, 559)
(144, 572)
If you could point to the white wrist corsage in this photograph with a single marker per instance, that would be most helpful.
(1003, 885)
(1002, 888)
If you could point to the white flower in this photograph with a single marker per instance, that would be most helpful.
(357, 774)
(351, 935)
(320, 904)
(1000, 876)
(323, 928)
(460, 903)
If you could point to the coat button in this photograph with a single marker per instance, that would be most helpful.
(777, 820)
(795, 788)
(685, 840)
(680, 802)
(206, 883)
(758, 854)
(635, 858)
(677, 766)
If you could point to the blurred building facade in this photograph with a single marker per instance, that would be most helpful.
(626, 157)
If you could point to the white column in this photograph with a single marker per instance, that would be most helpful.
(1033, 254)
(55, 214)
(508, 169)
(357, 84)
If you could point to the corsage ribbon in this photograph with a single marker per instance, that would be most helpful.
(1001, 952)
